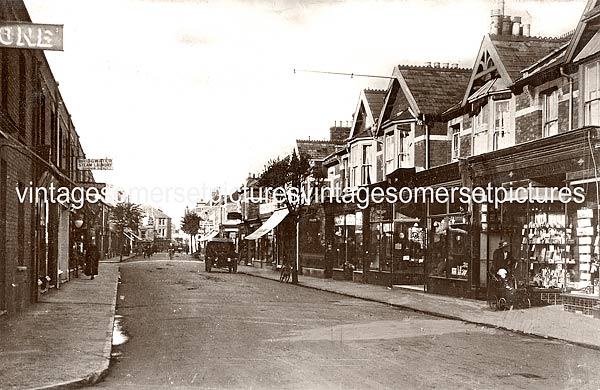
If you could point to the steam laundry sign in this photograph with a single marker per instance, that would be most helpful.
(31, 36)
(87, 164)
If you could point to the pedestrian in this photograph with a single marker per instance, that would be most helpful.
(329, 261)
(502, 259)
(92, 255)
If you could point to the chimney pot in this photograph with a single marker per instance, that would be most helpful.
(516, 28)
(506, 25)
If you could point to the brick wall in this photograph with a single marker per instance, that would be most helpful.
(440, 153)
(465, 145)
(528, 127)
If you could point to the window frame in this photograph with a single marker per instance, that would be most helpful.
(455, 141)
(591, 96)
(549, 123)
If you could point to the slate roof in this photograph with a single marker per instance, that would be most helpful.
(434, 89)
(375, 99)
(518, 52)
(316, 149)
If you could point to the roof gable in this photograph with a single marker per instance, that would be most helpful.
(367, 112)
(434, 90)
(505, 56)
(585, 30)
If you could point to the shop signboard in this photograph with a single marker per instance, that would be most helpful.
(95, 164)
(23, 35)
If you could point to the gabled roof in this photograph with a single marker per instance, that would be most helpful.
(316, 149)
(417, 90)
(367, 112)
(434, 89)
(518, 53)
(586, 28)
(505, 56)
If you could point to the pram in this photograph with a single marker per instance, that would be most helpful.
(505, 294)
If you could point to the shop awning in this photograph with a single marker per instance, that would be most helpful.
(208, 236)
(399, 217)
(270, 224)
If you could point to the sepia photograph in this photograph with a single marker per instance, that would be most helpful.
(299, 194)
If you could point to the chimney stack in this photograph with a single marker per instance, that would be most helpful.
(436, 64)
(497, 14)
(428, 63)
(516, 25)
(506, 25)
(454, 66)
(526, 29)
(445, 65)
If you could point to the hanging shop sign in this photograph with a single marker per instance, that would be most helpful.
(88, 164)
(31, 36)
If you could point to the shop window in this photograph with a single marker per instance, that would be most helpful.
(449, 247)
(592, 94)
(455, 141)
(550, 113)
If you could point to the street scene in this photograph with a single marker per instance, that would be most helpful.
(299, 194)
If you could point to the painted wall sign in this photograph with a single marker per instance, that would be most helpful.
(31, 36)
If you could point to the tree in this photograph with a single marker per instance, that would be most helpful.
(290, 173)
(190, 222)
(125, 215)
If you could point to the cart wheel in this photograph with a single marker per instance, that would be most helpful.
(502, 304)
(493, 303)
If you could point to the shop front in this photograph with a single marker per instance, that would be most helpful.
(552, 232)
(346, 242)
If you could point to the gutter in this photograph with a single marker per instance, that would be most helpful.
(563, 74)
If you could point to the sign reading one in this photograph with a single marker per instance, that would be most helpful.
(31, 36)
(87, 164)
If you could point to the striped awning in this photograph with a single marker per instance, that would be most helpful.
(270, 224)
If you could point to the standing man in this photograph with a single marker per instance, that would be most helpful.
(502, 258)
(92, 255)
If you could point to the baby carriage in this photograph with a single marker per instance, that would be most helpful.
(505, 294)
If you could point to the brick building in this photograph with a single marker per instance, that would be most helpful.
(39, 146)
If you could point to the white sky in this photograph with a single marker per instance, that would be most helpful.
(198, 93)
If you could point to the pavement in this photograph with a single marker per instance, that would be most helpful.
(65, 340)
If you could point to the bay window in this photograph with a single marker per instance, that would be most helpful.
(501, 122)
(366, 164)
(389, 153)
(592, 94)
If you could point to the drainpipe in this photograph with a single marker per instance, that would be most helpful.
(563, 74)
(426, 142)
